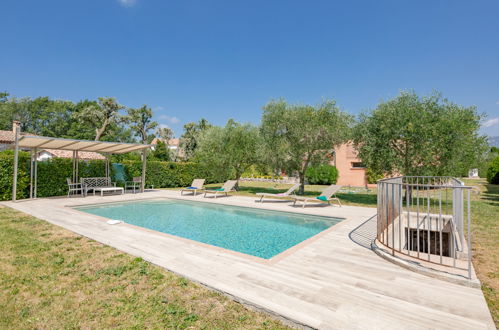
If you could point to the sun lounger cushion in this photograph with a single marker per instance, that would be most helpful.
(192, 188)
(322, 198)
(220, 189)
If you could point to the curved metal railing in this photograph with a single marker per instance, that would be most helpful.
(427, 218)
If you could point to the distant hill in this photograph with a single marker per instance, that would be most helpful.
(494, 141)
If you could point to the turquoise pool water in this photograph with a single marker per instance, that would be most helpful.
(258, 233)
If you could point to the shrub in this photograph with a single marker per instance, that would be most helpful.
(372, 176)
(6, 174)
(166, 174)
(321, 174)
(493, 172)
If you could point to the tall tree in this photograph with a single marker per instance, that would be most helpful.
(41, 115)
(101, 116)
(161, 152)
(296, 136)
(165, 134)
(189, 139)
(228, 151)
(141, 123)
(414, 135)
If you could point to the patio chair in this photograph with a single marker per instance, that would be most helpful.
(74, 188)
(134, 184)
(328, 195)
(284, 194)
(197, 184)
(226, 188)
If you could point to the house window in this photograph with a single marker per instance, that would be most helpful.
(358, 165)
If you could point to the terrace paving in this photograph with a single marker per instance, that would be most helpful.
(329, 281)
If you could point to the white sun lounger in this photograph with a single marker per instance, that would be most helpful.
(197, 184)
(328, 195)
(284, 194)
(226, 188)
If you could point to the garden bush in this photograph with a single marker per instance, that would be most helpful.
(322, 174)
(6, 174)
(493, 172)
(373, 177)
(166, 174)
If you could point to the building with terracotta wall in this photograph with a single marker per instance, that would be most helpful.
(351, 170)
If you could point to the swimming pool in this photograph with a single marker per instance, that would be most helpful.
(259, 233)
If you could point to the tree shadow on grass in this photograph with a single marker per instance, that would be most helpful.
(254, 190)
(491, 195)
(358, 198)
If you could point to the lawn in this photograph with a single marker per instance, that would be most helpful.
(485, 226)
(53, 278)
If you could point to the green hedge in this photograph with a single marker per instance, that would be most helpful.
(52, 174)
(321, 174)
(6, 174)
(166, 174)
(493, 172)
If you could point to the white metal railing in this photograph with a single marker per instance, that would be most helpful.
(424, 217)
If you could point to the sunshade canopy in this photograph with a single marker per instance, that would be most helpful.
(45, 142)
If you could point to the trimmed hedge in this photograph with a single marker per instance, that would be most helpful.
(6, 173)
(322, 174)
(166, 174)
(493, 172)
(52, 174)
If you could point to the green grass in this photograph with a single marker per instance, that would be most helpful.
(485, 221)
(53, 278)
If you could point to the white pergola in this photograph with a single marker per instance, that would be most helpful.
(34, 143)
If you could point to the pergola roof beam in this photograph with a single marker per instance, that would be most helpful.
(79, 145)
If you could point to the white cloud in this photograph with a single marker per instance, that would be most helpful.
(163, 126)
(491, 122)
(127, 3)
(172, 120)
(497, 102)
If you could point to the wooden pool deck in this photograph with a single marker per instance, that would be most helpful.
(330, 281)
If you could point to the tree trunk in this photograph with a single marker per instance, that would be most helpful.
(100, 131)
(301, 190)
(238, 176)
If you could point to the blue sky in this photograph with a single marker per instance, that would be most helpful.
(189, 59)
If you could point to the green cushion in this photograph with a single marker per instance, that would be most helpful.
(322, 198)
(219, 189)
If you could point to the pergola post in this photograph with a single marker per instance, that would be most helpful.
(77, 168)
(16, 160)
(144, 162)
(108, 174)
(31, 172)
(36, 172)
(73, 175)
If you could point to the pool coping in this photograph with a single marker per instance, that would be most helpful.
(278, 257)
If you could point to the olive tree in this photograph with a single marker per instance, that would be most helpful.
(140, 121)
(412, 135)
(192, 131)
(101, 116)
(296, 136)
(228, 151)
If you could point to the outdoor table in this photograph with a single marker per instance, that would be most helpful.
(103, 189)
